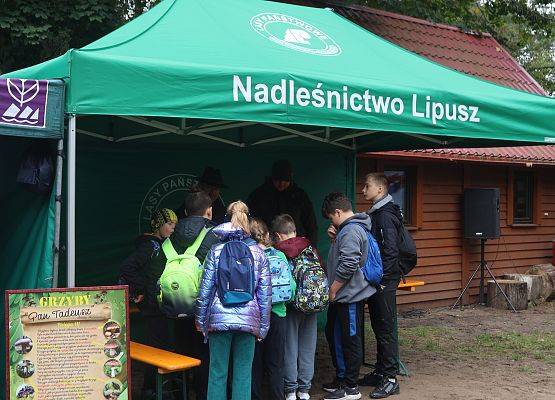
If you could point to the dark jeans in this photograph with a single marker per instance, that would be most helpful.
(268, 357)
(344, 334)
(190, 342)
(383, 314)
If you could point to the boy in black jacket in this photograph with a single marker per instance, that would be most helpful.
(147, 247)
(386, 222)
(134, 272)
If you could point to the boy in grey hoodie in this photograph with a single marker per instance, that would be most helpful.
(348, 291)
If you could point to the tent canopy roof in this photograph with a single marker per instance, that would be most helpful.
(277, 63)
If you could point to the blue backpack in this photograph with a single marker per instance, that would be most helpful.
(235, 277)
(281, 276)
(372, 268)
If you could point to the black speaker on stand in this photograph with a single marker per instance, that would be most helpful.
(481, 221)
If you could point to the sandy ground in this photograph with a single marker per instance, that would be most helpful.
(478, 353)
(475, 354)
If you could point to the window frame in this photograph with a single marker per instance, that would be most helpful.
(534, 201)
(414, 178)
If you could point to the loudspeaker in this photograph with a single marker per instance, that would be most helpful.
(481, 213)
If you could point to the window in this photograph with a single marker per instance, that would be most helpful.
(402, 182)
(523, 192)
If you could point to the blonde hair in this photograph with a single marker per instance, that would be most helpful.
(260, 232)
(239, 213)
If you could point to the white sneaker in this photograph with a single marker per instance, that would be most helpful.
(291, 396)
(303, 395)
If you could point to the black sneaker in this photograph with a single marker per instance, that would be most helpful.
(344, 394)
(352, 393)
(386, 389)
(373, 379)
(332, 386)
(339, 394)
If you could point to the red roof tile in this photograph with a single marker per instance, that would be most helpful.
(543, 155)
(473, 53)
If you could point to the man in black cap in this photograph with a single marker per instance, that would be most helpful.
(210, 182)
(280, 195)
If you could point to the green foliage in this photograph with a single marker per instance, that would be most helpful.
(32, 31)
(526, 28)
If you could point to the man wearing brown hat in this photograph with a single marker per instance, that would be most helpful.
(280, 195)
(210, 182)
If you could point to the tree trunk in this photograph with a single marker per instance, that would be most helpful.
(547, 273)
(534, 282)
(516, 291)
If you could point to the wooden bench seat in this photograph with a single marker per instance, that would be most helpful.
(410, 285)
(165, 361)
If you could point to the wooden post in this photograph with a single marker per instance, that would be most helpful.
(516, 291)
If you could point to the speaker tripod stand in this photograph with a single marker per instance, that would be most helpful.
(482, 267)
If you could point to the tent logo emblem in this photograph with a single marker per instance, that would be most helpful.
(168, 192)
(295, 34)
(23, 102)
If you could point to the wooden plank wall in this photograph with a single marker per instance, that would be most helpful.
(446, 260)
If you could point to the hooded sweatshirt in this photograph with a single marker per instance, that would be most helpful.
(386, 220)
(346, 257)
(294, 246)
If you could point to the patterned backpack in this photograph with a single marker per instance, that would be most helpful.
(312, 283)
(281, 276)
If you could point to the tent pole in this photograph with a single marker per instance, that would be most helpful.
(58, 214)
(71, 144)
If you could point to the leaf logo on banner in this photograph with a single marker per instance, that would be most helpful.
(25, 94)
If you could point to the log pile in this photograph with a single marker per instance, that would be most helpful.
(547, 274)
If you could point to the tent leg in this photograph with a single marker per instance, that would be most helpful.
(71, 144)
(57, 217)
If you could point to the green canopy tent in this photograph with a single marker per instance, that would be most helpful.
(31, 114)
(256, 80)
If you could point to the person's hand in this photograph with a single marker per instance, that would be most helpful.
(138, 298)
(332, 232)
(258, 339)
(197, 326)
(334, 288)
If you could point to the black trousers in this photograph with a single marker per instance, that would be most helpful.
(190, 342)
(158, 334)
(344, 334)
(383, 314)
(268, 357)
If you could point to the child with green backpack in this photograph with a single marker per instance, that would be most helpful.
(269, 353)
(311, 296)
(185, 251)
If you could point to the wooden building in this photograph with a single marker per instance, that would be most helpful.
(430, 183)
(429, 186)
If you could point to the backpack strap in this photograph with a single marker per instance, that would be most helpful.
(168, 249)
(192, 249)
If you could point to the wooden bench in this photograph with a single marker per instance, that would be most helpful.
(410, 285)
(165, 361)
